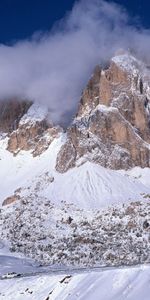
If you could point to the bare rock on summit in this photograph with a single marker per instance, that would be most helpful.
(27, 126)
(34, 132)
(112, 126)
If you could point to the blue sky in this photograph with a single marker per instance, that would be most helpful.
(54, 68)
(19, 19)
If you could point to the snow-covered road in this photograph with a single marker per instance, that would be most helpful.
(18, 265)
(10, 262)
(22, 267)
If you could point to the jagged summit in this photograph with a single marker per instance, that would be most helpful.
(112, 126)
(27, 125)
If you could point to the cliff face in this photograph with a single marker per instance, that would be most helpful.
(112, 126)
(27, 126)
(11, 111)
(35, 132)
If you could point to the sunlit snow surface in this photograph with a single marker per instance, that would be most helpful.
(36, 113)
(128, 62)
(123, 284)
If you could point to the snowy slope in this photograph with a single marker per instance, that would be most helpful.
(142, 175)
(87, 186)
(131, 284)
(36, 113)
(19, 171)
(92, 186)
(128, 62)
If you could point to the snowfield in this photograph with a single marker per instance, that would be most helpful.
(88, 186)
(117, 284)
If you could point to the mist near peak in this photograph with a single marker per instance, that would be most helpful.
(53, 68)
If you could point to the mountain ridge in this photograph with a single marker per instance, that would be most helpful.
(112, 124)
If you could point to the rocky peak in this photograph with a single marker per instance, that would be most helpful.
(112, 126)
(35, 132)
(27, 126)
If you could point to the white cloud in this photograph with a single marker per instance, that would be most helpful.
(53, 68)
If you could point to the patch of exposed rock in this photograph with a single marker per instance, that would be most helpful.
(112, 126)
(36, 137)
(11, 112)
(27, 126)
(34, 132)
(11, 199)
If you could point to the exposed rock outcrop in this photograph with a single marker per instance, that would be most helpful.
(11, 111)
(27, 126)
(34, 132)
(11, 199)
(112, 126)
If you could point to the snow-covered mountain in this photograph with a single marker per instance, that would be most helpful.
(112, 126)
(80, 197)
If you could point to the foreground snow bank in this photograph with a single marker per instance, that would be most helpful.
(131, 284)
